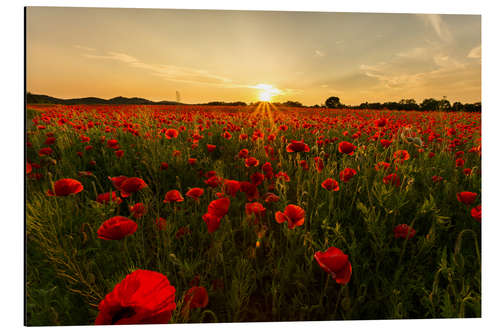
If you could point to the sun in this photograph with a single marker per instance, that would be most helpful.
(266, 92)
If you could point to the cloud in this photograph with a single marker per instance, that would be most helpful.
(475, 53)
(438, 25)
(83, 48)
(319, 53)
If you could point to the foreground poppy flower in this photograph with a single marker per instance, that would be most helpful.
(143, 297)
(116, 228)
(171, 133)
(138, 210)
(104, 198)
(28, 168)
(347, 174)
(330, 184)
(212, 222)
(213, 181)
(385, 143)
(243, 153)
(336, 263)
(196, 297)
(211, 148)
(64, 187)
(476, 213)
(401, 155)
(403, 231)
(131, 185)
(219, 207)
(256, 209)
(251, 161)
(250, 190)
(195, 193)
(45, 151)
(466, 197)
(160, 223)
(271, 197)
(118, 181)
(293, 215)
(382, 165)
(346, 148)
(319, 164)
(297, 147)
(392, 179)
(173, 196)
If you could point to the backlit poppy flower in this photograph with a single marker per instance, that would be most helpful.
(271, 197)
(195, 193)
(476, 213)
(219, 207)
(211, 148)
(385, 143)
(192, 161)
(116, 228)
(196, 297)
(283, 175)
(392, 179)
(347, 174)
(143, 297)
(227, 135)
(256, 209)
(131, 185)
(160, 223)
(45, 151)
(138, 210)
(403, 231)
(336, 263)
(297, 147)
(64, 187)
(243, 153)
(118, 181)
(401, 155)
(467, 171)
(171, 133)
(212, 222)
(319, 164)
(251, 161)
(330, 184)
(164, 166)
(293, 215)
(346, 148)
(119, 153)
(173, 196)
(103, 198)
(382, 165)
(28, 168)
(466, 197)
(213, 181)
(231, 187)
(243, 136)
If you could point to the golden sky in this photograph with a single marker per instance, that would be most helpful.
(210, 55)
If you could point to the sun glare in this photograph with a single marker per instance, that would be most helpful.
(266, 92)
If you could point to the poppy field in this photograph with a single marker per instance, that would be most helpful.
(203, 214)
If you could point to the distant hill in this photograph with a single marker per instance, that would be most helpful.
(44, 99)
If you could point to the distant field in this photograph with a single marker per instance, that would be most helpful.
(395, 198)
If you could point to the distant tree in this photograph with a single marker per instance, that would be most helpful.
(429, 104)
(292, 104)
(457, 106)
(444, 104)
(333, 102)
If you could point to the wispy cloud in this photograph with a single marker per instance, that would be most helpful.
(438, 25)
(319, 53)
(475, 53)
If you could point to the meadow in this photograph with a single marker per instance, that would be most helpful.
(156, 214)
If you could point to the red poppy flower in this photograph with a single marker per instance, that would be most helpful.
(251, 161)
(28, 168)
(255, 208)
(45, 151)
(243, 153)
(171, 133)
(431, 154)
(382, 165)
(257, 178)
(211, 148)
(297, 146)
(271, 197)
(336, 263)
(250, 190)
(143, 297)
(182, 231)
(164, 166)
(466, 197)
(283, 175)
(380, 122)
(231, 187)
(392, 179)
(213, 181)
(138, 210)
(346, 148)
(347, 174)
(403, 231)
(401, 155)
(113, 144)
(219, 207)
(227, 135)
(118, 181)
(267, 168)
(319, 164)
(160, 223)
(293, 215)
(119, 153)
(303, 164)
(467, 171)
(385, 143)
(212, 221)
(64, 187)
(103, 198)
(176, 153)
(195, 193)
(173, 196)
(330, 184)
(476, 213)
(459, 162)
(116, 228)
(196, 297)
(50, 140)
(131, 185)
(437, 179)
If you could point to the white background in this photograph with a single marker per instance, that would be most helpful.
(12, 160)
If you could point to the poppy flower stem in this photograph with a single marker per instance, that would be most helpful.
(405, 242)
(338, 301)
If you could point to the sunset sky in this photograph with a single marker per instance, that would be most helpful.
(245, 55)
